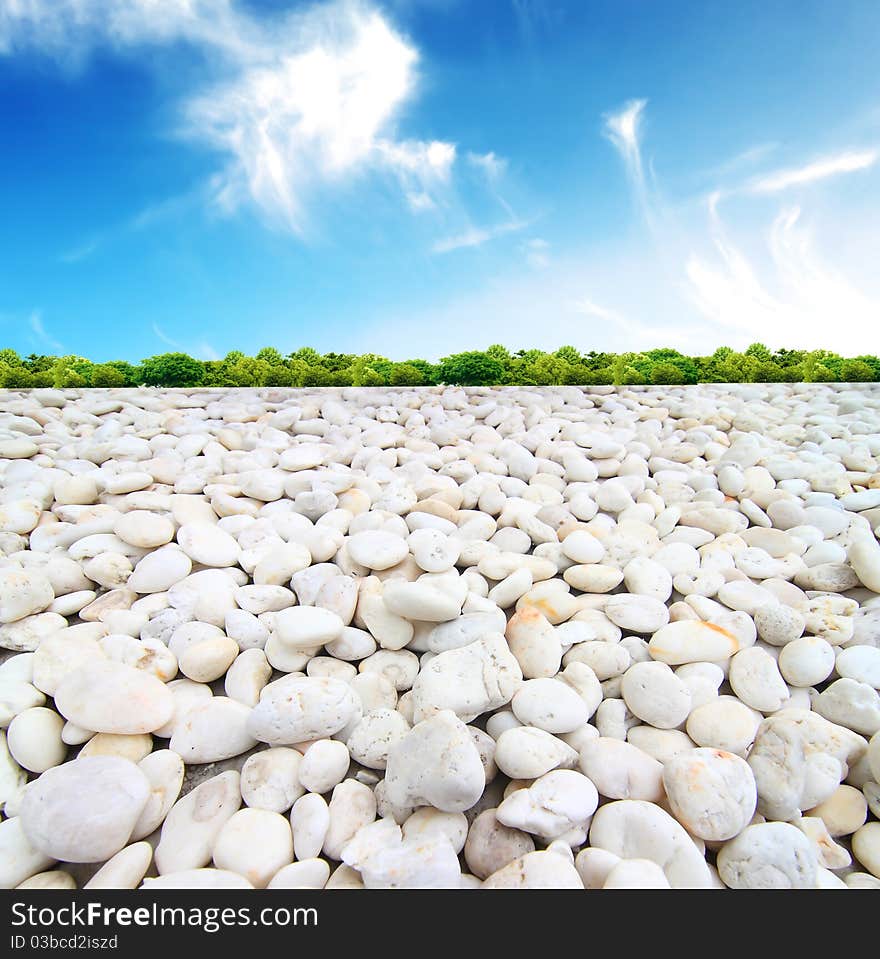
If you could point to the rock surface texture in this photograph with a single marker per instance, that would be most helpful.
(544, 637)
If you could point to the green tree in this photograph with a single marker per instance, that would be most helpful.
(268, 354)
(666, 373)
(172, 369)
(104, 375)
(471, 369)
(16, 377)
(405, 374)
(857, 371)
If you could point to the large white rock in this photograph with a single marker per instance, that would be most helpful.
(212, 730)
(712, 793)
(470, 680)
(770, 855)
(191, 828)
(295, 709)
(436, 764)
(85, 810)
(110, 697)
(633, 829)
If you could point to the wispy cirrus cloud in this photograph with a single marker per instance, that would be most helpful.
(81, 252)
(35, 321)
(623, 129)
(163, 336)
(477, 236)
(847, 162)
(306, 100)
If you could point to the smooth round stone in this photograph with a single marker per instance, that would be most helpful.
(296, 709)
(636, 874)
(352, 806)
(779, 624)
(270, 779)
(645, 577)
(85, 810)
(20, 859)
(654, 694)
(125, 870)
(144, 529)
(433, 550)
(304, 874)
(692, 641)
(491, 845)
(212, 730)
(34, 739)
(264, 599)
(806, 661)
(109, 697)
(724, 723)
(866, 847)
(377, 549)
(532, 640)
(307, 627)
(755, 678)
(607, 660)
(208, 544)
(637, 614)
(247, 676)
(526, 752)
(851, 704)
(160, 570)
(712, 793)
(310, 822)
(193, 823)
(19, 516)
(198, 879)
(164, 770)
(53, 879)
(420, 601)
(255, 843)
(436, 764)
(582, 547)
(845, 811)
(22, 593)
(427, 823)
(593, 578)
(861, 663)
(633, 829)
(550, 705)
(324, 765)
(620, 770)
(376, 733)
(205, 661)
(770, 855)
(133, 748)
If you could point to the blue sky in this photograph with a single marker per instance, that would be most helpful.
(417, 177)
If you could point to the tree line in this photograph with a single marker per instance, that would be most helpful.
(496, 366)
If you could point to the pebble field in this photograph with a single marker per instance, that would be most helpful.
(558, 637)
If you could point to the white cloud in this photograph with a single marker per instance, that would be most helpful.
(81, 252)
(207, 352)
(623, 130)
(163, 336)
(818, 170)
(35, 321)
(308, 98)
(492, 165)
(801, 301)
(536, 252)
(477, 236)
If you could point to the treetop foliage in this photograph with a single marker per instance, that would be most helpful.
(495, 366)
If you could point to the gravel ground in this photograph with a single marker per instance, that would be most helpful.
(520, 637)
